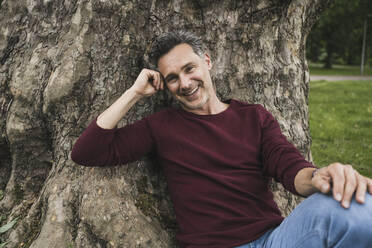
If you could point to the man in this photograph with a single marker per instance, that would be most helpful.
(217, 158)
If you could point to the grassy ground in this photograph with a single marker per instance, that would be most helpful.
(341, 123)
(339, 70)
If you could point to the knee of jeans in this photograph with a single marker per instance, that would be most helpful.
(322, 205)
(328, 211)
(362, 213)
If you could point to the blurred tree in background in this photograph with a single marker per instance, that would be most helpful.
(337, 37)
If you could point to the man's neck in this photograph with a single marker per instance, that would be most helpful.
(212, 107)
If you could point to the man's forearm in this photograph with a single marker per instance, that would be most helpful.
(303, 182)
(111, 116)
(147, 83)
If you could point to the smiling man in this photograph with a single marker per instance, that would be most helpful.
(188, 79)
(218, 158)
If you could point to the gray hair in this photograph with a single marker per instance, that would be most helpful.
(164, 43)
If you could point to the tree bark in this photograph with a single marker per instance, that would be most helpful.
(64, 62)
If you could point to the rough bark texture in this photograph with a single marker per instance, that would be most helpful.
(64, 62)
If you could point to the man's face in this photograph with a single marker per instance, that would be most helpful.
(187, 76)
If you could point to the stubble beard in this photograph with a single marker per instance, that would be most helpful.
(204, 98)
(189, 106)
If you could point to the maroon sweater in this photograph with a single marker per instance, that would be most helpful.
(217, 168)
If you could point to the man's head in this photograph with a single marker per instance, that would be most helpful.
(181, 60)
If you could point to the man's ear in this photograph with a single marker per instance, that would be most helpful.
(207, 61)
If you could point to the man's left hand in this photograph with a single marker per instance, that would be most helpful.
(344, 181)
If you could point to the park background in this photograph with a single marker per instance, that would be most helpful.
(341, 111)
(64, 62)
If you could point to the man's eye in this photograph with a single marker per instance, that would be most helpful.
(189, 69)
(172, 80)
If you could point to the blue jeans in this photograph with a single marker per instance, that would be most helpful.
(320, 221)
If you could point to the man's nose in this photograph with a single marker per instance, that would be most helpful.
(185, 83)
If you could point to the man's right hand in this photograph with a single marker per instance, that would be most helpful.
(148, 83)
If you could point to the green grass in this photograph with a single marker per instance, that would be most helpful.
(341, 123)
(339, 70)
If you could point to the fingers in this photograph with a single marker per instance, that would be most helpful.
(362, 188)
(162, 81)
(350, 185)
(148, 82)
(322, 181)
(153, 78)
(369, 183)
(345, 182)
(157, 81)
(336, 172)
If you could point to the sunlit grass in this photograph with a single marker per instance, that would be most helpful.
(341, 123)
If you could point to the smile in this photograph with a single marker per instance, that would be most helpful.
(191, 92)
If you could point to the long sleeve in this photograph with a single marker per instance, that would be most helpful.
(281, 160)
(104, 147)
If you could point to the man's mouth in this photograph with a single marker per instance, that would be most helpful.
(192, 91)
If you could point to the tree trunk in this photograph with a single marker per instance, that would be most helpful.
(64, 62)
